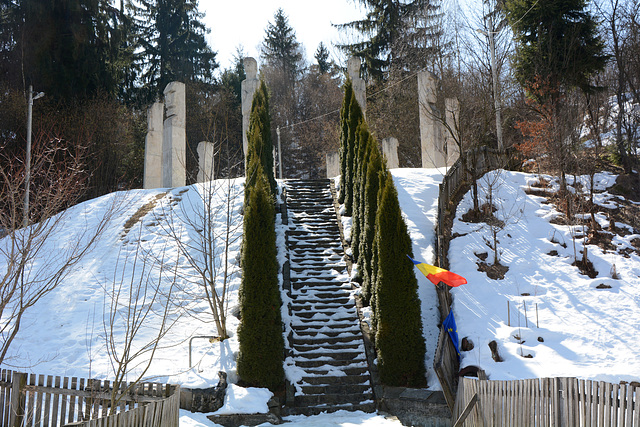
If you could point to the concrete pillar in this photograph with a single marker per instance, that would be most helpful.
(206, 161)
(248, 89)
(452, 114)
(333, 165)
(174, 136)
(390, 152)
(153, 147)
(359, 85)
(433, 149)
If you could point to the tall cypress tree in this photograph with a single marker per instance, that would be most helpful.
(355, 118)
(344, 138)
(259, 137)
(374, 173)
(261, 351)
(398, 324)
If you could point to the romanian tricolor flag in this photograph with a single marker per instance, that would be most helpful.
(437, 274)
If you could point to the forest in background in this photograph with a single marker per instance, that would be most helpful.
(101, 63)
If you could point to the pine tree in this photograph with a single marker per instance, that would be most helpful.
(322, 58)
(66, 48)
(261, 353)
(399, 341)
(558, 41)
(172, 45)
(389, 27)
(280, 49)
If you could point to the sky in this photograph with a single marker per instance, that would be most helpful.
(243, 22)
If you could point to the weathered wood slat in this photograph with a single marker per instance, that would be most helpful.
(618, 403)
(629, 414)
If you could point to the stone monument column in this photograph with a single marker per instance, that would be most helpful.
(248, 89)
(433, 150)
(359, 85)
(153, 147)
(206, 161)
(174, 137)
(333, 165)
(390, 152)
(452, 115)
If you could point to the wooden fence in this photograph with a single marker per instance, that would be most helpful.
(44, 400)
(547, 402)
(446, 365)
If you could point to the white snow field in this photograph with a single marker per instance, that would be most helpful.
(587, 332)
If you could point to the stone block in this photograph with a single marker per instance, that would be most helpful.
(206, 161)
(248, 89)
(153, 147)
(390, 152)
(431, 137)
(173, 155)
(333, 165)
(359, 85)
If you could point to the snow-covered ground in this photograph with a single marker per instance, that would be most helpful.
(586, 332)
(545, 309)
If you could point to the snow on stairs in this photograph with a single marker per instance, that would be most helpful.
(326, 345)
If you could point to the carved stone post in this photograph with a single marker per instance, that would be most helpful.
(433, 150)
(359, 85)
(333, 165)
(452, 111)
(153, 147)
(174, 137)
(390, 151)
(206, 161)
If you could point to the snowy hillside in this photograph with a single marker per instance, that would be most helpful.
(579, 328)
(562, 322)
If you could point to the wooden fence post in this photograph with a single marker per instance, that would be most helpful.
(18, 398)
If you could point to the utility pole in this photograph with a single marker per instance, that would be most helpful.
(494, 75)
(25, 218)
(279, 152)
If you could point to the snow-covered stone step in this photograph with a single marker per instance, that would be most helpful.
(300, 347)
(337, 389)
(329, 399)
(325, 341)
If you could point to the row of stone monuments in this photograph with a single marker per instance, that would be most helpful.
(165, 144)
(438, 131)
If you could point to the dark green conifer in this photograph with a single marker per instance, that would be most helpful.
(374, 172)
(344, 137)
(261, 351)
(259, 137)
(355, 117)
(399, 341)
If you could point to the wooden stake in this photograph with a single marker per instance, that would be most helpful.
(537, 320)
(508, 314)
(526, 321)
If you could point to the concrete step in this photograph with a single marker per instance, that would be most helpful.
(308, 411)
(331, 399)
(336, 379)
(328, 389)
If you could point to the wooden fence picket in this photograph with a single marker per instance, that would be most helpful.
(548, 402)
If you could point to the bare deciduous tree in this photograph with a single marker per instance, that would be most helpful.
(29, 268)
(206, 235)
(138, 312)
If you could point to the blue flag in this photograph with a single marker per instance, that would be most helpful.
(449, 325)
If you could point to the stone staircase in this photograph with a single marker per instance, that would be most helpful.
(326, 347)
